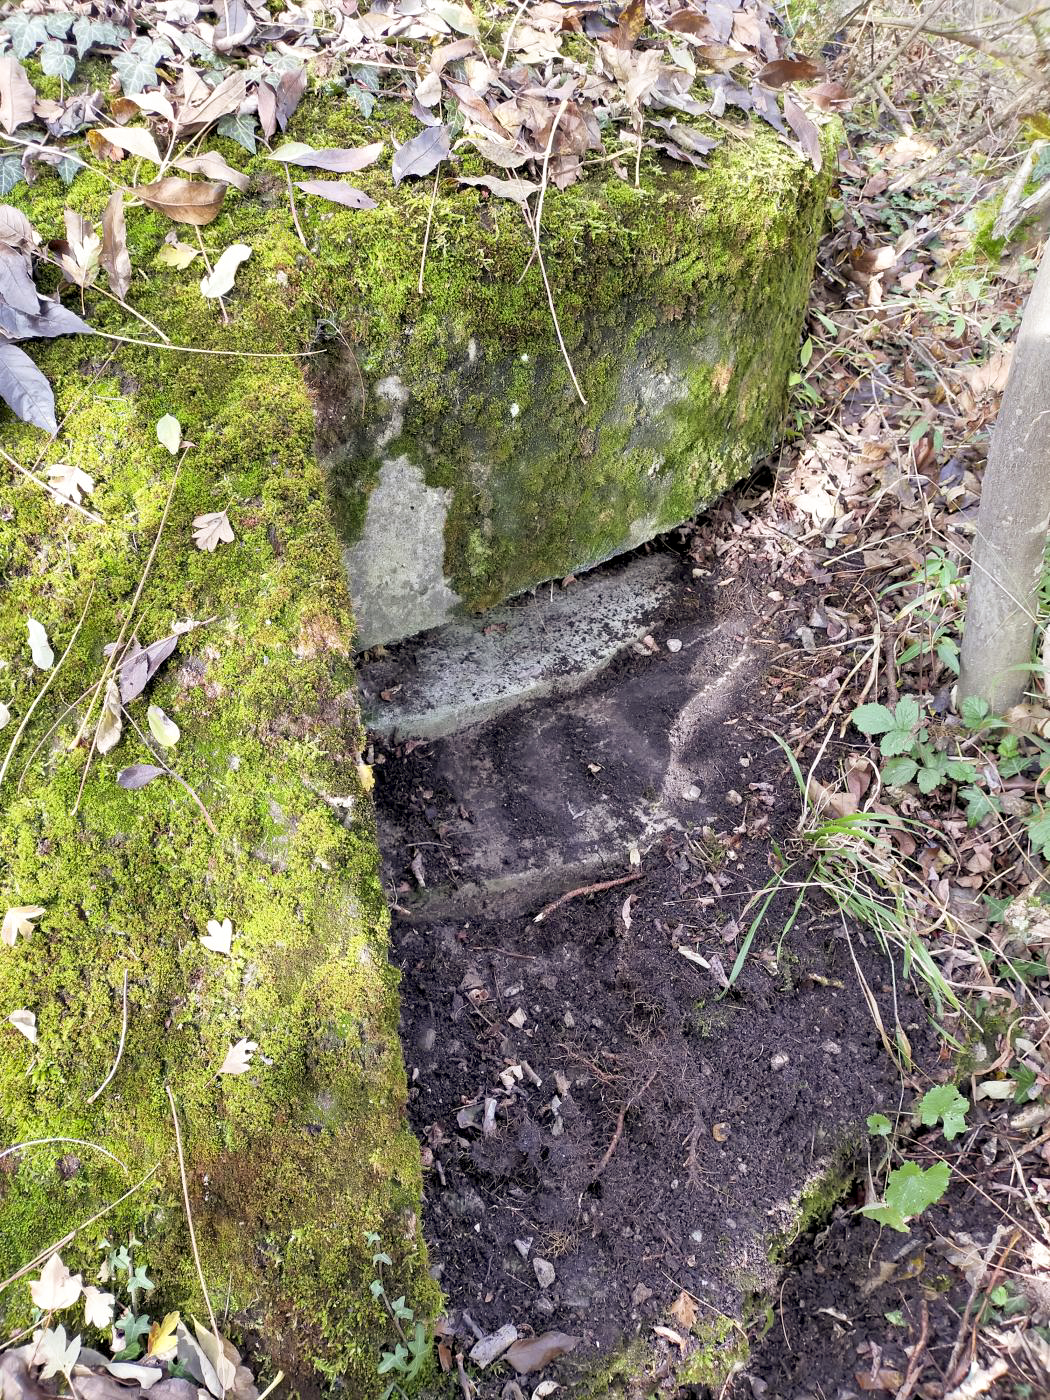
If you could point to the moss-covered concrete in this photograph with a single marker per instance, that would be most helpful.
(292, 1163)
(680, 303)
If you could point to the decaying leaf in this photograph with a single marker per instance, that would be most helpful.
(338, 191)
(163, 1340)
(668, 1334)
(536, 1353)
(17, 97)
(194, 202)
(162, 727)
(238, 1057)
(25, 1022)
(98, 1308)
(219, 938)
(114, 258)
(220, 280)
(134, 140)
(213, 167)
(57, 1352)
(110, 724)
(56, 1288)
(340, 160)
(20, 919)
(69, 481)
(138, 669)
(422, 154)
(5, 715)
(517, 190)
(178, 255)
(684, 1310)
(39, 646)
(789, 70)
(137, 776)
(211, 530)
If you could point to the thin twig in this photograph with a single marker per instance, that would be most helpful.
(101, 291)
(78, 1142)
(120, 1046)
(71, 1235)
(585, 889)
(554, 314)
(911, 1377)
(43, 690)
(507, 37)
(219, 1349)
(430, 220)
(204, 350)
(621, 1119)
(295, 211)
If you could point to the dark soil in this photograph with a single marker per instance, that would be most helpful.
(582, 1088)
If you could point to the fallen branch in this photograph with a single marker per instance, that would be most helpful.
(584, 889)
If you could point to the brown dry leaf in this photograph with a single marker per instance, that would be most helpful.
(805, 130)
(536, 1353)
(134, 140)
(183, 201)
(16, 94)
(421, 154)
(885, 1378)
(211, 530)
(991, 377)
(204, 106)
(102, 149)
(114, 258)
(338, 191)
(213, 167)
(684, 1310)
(519, 191)
(790, 70)
(630, 25)
(828, 803)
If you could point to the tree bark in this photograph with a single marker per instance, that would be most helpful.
(1012, 521)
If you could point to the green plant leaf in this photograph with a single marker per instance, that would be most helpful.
(930, 778)
(896, 741)
(879, 1125)
(960, 770)
(946, 1105)
(899, 771)
(873, 719)
(909, 1190)
(979, 804)
(1039, 832)
(974, 712)
(906, 712)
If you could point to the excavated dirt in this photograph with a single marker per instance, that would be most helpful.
(590, 1096)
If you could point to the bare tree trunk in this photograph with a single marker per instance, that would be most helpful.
(1013, 520)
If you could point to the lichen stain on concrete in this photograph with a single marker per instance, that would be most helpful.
(396, 568)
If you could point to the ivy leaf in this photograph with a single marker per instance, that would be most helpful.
(26, 32)
(239, 128)
(946, 1105)
(1039, 833)
(56, 61)
(909, 1190)
(11, 173)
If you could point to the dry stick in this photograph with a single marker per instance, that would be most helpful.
(50, 490)
(79, 1142)
(120, 302)
(219, 1350)
(295, 211)
(621, 1119)
(118, 644)
(430, 220)
(554, 314)
(171, 774)
(911, 1378)
(510, 31)
(584, 889)
(120, 1046)
(204, 350)
(43, 690)
(70, 1235)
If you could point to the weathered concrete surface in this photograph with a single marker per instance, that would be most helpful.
(553, 644)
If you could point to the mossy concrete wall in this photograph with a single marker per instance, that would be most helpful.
(290, 1164)
(467, 466)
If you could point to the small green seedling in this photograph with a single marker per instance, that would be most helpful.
(945, 1105)
(909, 1190)
(879, 1125)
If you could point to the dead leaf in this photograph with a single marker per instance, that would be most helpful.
(338, 160)
(114, 258)
(133, 140)
(20, 919)
(684, 1311)
(56, 1288)
(25, 1022)
(238, 1057)
(670, 1335)
(137, 776)
(213, 167)
(178, 255)
(17, 97)
(219, 938)
(805, 130)
(338, 191)
(789, 70)
(69, 481)
(536, 1353)
(519, 191)
(220, 280)
(211, 530)
(422, 154)
(222, 101)
(110, 724)
(184, 201)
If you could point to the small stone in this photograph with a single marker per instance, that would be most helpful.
(641, 1295)
(544, 1271)
(427, 1039)
(517, 1018)
(673, 644)
(492, 1347)
(569, 1019)
(733, 798)
(691, 793)
(779, 1061)
(831, 1047)
(697, 1236)
(523, 1247)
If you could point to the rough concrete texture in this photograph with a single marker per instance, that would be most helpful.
(550, 644)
